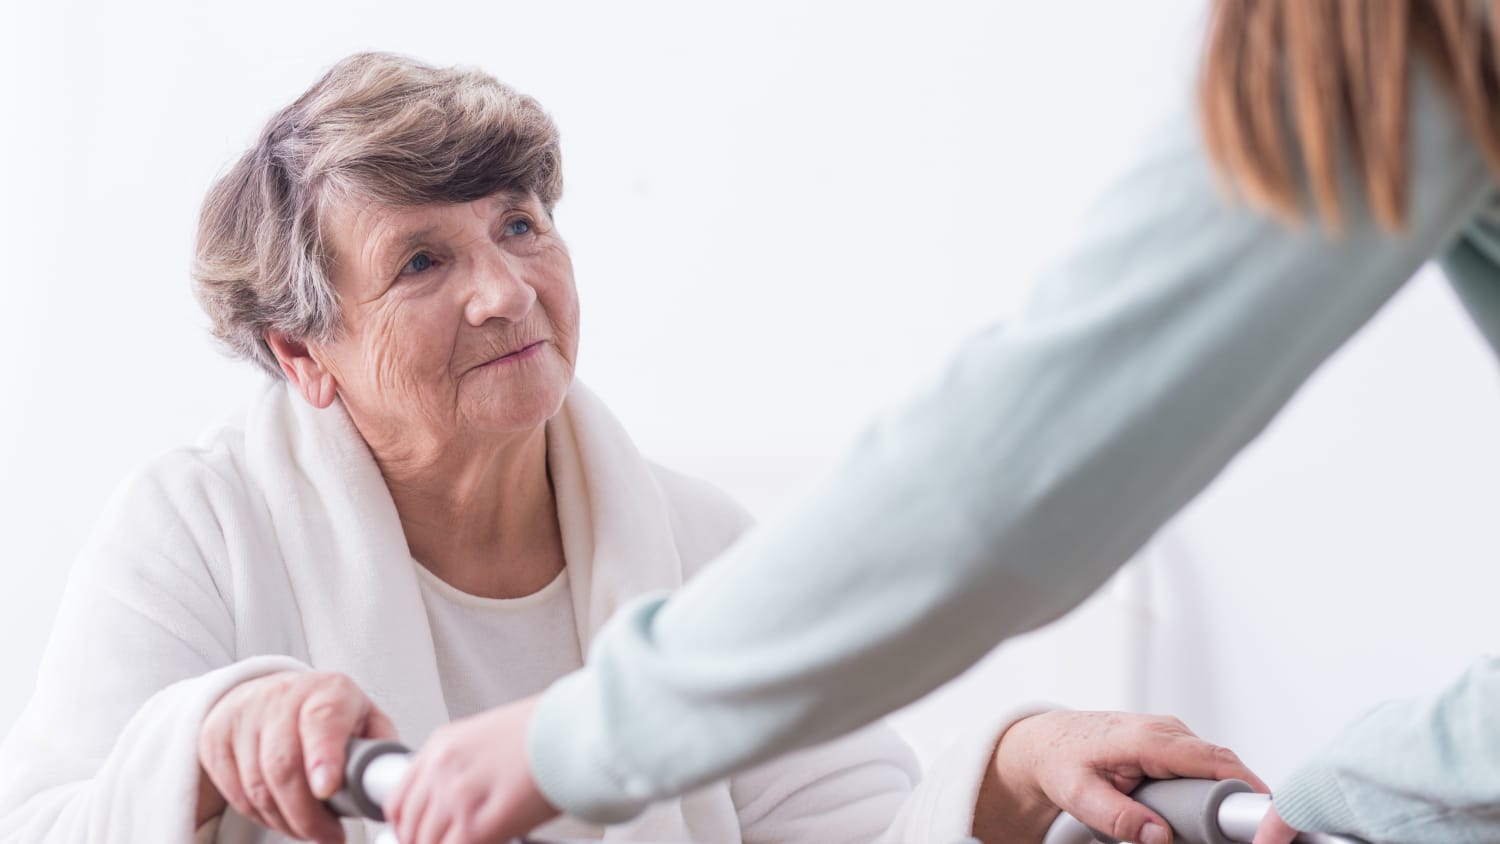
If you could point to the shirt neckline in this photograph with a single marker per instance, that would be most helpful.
(458, 596)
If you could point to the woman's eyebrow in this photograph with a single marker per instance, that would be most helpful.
(400, 241)
(512, 199)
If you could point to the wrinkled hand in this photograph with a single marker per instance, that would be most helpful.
(273, 748)
(1274, 830)
(471, 783)
(1085, 763)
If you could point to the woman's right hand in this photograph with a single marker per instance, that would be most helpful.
(1087, 763)
(273, 748)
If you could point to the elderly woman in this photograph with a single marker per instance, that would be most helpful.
(421, 516)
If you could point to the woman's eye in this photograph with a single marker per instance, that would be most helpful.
(419, 262)
(518, 227)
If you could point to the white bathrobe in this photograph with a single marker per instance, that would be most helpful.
(275, 545)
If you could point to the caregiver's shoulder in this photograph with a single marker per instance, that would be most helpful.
(705, 519)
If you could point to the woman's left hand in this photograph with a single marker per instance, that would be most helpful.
(471, 783)
(1086, 763)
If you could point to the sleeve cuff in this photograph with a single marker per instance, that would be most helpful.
(563, 745)
(942, 808)
(970, 760)
(1312, 801)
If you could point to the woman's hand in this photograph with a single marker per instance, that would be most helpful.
(274, 747)
(1085, 763)
(471, 783)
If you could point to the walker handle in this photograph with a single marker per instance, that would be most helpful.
(372, 770)
(1190, 807)
(1199, 812)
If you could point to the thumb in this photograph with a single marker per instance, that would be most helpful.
(326, 722)
(1105, 809)
(379, 725)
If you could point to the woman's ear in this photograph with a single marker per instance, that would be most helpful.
(310, 377)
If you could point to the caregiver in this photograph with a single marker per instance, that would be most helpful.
(421, 516)
(1054, 446)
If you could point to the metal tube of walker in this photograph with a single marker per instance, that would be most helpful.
(1199, 812)
(373, 770)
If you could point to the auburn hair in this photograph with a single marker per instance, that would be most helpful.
(1289, 88)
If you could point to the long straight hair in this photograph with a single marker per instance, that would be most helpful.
(1289, 87)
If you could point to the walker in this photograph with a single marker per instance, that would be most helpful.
(1199, 811)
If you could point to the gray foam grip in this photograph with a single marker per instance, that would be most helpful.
(1190, 807)
(351, 800)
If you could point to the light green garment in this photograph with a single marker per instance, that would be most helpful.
(1048, 453)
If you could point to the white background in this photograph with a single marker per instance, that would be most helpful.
(783, 216)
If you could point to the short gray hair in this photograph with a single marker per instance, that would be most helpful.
(378, 127)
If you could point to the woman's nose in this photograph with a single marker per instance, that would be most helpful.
(500, 291)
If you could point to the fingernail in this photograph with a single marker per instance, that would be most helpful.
(1155, 833)
(322, 786)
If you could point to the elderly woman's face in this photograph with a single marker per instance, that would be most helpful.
(454, 317)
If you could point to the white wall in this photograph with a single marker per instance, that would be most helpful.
(783, 215)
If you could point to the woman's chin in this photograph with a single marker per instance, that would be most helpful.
(515, 410)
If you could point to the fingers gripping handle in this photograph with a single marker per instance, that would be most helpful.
(1198, 811)
(1190, 807)
(372, 770)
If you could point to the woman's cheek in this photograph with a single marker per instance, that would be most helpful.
(396, 348)
(564, 314)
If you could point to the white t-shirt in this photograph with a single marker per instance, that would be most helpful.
(493, 651)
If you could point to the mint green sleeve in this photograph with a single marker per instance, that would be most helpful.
(1048, 452)
(1419, 771)
(1473, 268)
(1424, 770)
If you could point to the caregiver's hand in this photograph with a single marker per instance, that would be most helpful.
(1085, 763)
(1274, 830)
(471, 783)
(273, 747)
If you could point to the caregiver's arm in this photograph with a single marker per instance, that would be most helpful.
(1049, 452)
(1425, 770)
(1420, 771)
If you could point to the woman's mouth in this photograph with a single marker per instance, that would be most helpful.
(518, 355)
